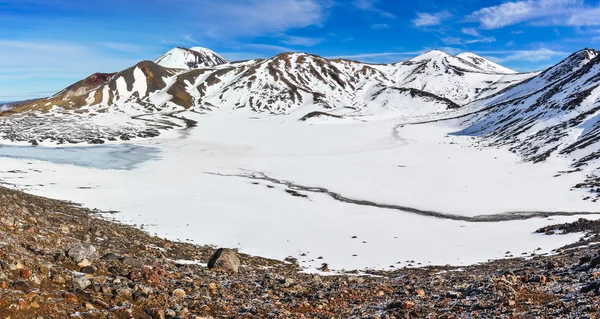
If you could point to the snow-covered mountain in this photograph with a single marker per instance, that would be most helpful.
(202, 80)
(193, 58)
(556, 113)
(462, 78)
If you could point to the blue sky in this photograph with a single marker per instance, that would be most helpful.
(46, 45)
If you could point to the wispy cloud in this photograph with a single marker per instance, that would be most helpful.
(269, 47)
(239, 18)
(380, 26)
(589, 17)
(375, 55)
(424, 19)
(459, 41)
(534, 55)
(471, 32)
(301, 41)
(370, 5)
(477, 38)
(541, 12)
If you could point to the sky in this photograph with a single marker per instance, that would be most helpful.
(46, 45)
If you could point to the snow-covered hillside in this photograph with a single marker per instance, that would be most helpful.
(555, 114)
(462, 78)
(193, 58)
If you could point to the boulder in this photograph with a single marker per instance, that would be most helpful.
(82, 252)
(225, 259)
(81, 282)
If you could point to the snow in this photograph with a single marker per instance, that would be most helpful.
(140, 85)
(193, 58)
(178, 195)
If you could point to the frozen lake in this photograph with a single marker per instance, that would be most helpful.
(107, 157)
(200, 188)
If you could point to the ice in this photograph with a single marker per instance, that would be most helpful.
(106, 157)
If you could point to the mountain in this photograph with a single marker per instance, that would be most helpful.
(556, 113)
(462, 78)
(200, 80)
(193, 58)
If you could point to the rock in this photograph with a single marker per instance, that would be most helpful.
(132, 262)
(88, 270)
(84, 263)
(225, 259)
(324, 267)
(595, 262)
(401, 305)
(21, 285)
(125, 292)
(22, 304)
(70, 297)
(179, 294)
(26, 273)
(81, 252)
(170, 313)
(155, 313)
(594, 286)
(110, 257)
(60, 257)
(81, 282)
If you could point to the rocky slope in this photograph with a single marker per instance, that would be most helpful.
(59, 260)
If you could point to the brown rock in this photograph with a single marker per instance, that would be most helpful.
(22, 304)
(225, 259)
(26, 273)
(70, 297)
(408, 305)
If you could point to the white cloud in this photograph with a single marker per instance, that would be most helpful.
(430, 19)
(369, 5)
(539, 11)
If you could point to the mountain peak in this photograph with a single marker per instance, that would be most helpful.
(193, 58)
(483, 64)
(431, 55)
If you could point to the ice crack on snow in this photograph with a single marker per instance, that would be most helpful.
(502, 217)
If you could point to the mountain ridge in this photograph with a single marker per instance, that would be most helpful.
(193, 77)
